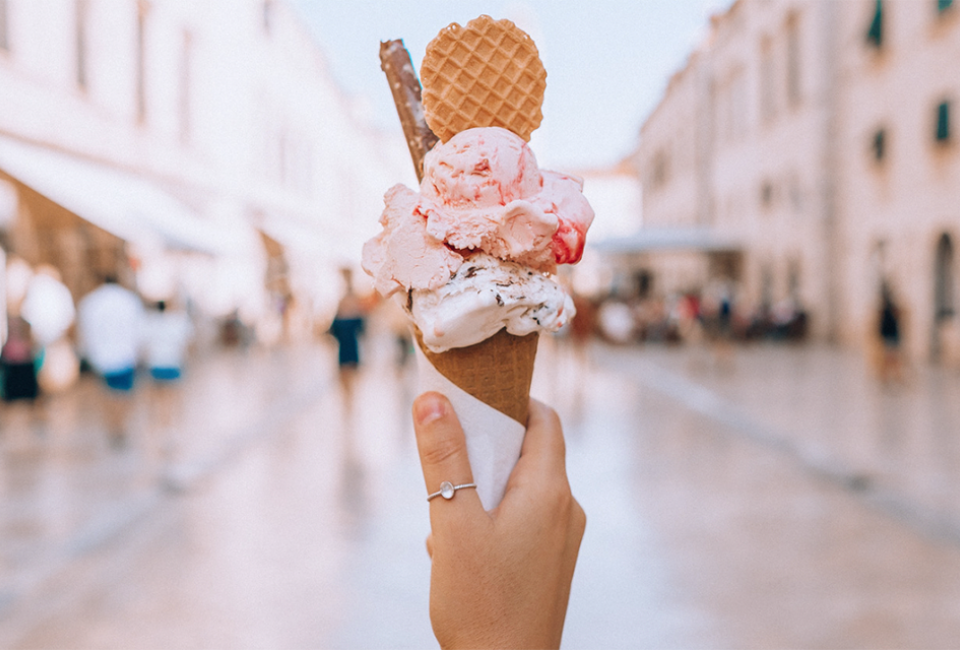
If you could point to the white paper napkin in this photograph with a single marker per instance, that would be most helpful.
(493, 438)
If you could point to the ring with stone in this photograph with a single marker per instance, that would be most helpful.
(448, 489)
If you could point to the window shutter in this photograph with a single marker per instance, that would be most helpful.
(4, 37)
(880, 145)
(943, 122)
(875, 33)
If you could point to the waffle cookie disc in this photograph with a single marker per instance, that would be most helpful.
(488, 73)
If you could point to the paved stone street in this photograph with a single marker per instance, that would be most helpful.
(781, 499)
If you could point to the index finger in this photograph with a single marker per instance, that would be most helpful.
(443, 456)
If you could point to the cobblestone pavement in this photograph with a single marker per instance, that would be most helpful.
(898, 443)
(781, 498)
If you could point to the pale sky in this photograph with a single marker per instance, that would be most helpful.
(607, 61)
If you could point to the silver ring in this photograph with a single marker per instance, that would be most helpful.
(448, 489)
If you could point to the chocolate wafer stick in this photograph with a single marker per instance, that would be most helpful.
(396, 64)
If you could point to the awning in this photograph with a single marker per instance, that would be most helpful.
(121, 203)
(296, 237)
(652, 240)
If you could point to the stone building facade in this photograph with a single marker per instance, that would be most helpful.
(675, 146)
(823, 152)
(200, 146)
(899, 168)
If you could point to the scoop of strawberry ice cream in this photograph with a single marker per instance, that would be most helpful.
(482, 190)
(403, 256)
(480, 170)
(562, 195)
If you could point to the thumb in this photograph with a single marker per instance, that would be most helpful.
(443, 453)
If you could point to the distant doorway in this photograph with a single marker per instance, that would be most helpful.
(944, 294)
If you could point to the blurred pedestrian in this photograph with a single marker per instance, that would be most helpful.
(166, 337)
(48, 307)
(718, 315)
(583, 326)
(110, 320)
(616, 321)
(688, 318)
(398, 324)
(233, 332)
(17, 363)
(347, 327)
(15, 282)
(167, 334)
(888, 326)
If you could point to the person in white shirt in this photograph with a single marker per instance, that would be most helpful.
(110, 322)
(167, 335)
(166, 339)
(48, 307)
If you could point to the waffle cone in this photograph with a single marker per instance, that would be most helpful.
(497, 371)
(488, 73)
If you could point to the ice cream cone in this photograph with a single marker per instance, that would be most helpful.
(486, 74)
(497, 371)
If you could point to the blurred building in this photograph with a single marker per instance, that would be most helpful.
(807, 152)
(898, 186)
(614, 193)
(200, 149)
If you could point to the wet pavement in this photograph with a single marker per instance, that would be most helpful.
(782, 498)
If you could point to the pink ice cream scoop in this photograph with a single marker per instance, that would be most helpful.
(403, 256)
(482, 191)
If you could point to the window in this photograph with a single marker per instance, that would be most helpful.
(80, 41)
(268, 10)
(4, 27)
(768, 106)
(879, 144)
(796, 194)
(944, 307)
(739, 101)
(793, 60)
(661, 170)
(943, 122)
(766, 195)
(793, 279)
(284, 157)
(766, 285)
(943, 5)
(723, 111)
(875, 32)
(9, 203)
(731, 106)
(140, 62)
(185, 99)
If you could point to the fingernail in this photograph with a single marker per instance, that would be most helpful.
(428, 408)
